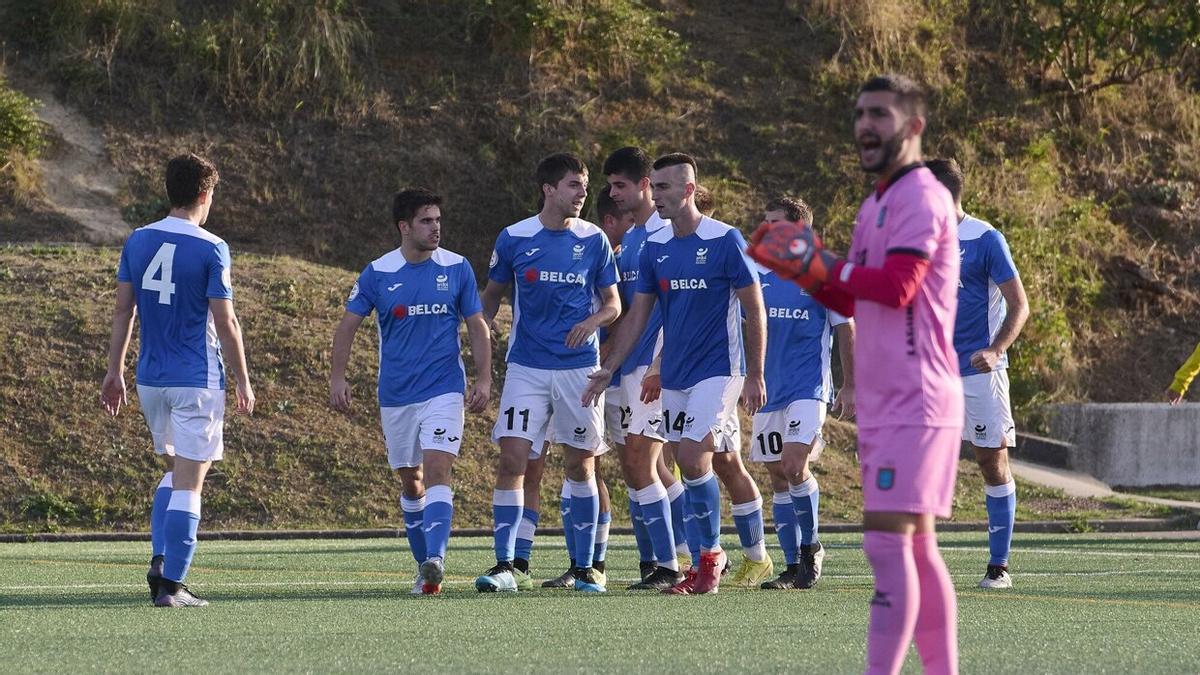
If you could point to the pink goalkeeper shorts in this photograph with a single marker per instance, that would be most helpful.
(909, 469)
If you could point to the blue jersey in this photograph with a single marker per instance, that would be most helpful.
(695, 279)
(799, 343)
(628, 261)
(556, 277)
(175, 267)
(419, 307)
(986, 263)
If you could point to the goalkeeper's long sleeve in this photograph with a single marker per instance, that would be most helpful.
(895, 284)
(1186, 373)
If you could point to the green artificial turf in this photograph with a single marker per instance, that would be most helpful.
(1082, 603)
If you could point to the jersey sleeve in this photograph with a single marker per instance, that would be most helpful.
(124, 273)
(1000, 265)
(500, 267)
(738, 265)
(362, 296)
(220, 280)
(917, 227)
(468, 292)
(606, 265)
(647, 281)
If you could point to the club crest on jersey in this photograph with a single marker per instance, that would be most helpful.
(533, 275)
(682, 284)
(886, 479)
(495, 259)
(443, 282)
(702, 256)
(577, 252)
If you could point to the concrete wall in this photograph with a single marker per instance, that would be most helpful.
(1132, 444)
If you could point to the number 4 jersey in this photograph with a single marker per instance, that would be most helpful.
(175, 267)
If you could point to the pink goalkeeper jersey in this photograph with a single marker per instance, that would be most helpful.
(904, 360)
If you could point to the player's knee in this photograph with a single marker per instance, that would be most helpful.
(993, 464)
(511, 464)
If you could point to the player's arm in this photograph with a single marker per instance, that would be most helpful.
(112, 390)
(1183, 377)
(754, 390)
(652, 382)
(492, 294)
(343, 340)
(229, 332)
(844, 404)
(1013, 291)
(481, 352)
(623, 341)
(610, 309)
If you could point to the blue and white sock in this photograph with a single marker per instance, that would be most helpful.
(603, 521)
(414, 522)
(640, 535)
(439, 514)
(691, 529)
(179, 530)
(585, 514)
(564, 510)
(1002, 515)
(748, 518)
(705, 497)
(525, 533)
(785, 526)
(806, 499)
(656, 514)
(507, 506)
(676, 495)
(158, 516)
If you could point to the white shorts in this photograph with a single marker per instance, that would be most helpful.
(709, 406)
(989, 420)
(614, 413)
(540, 405)
(185, 422)
(799, 422)
(409, 430)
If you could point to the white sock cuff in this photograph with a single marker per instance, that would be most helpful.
(526, 529)
(508, 497)
(584, 488)
(602, 532)
(185, 500)
(439, 493)
(1001, 490)
(746, 508)
(412, 505)
(804, 489)
(566, 491)
(652, 493)
(675, 490)
(168, 481)
(696, 482)
(782, 498)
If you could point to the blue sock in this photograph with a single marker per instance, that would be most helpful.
(564, 509)
(179, 531)
(1002, 515)
(585, 514)
(414, 522)
(748, 518)
(506, 513)
(677, 496)
(439, 513)
(806, 498)
(656, 514)
(785, 526)
(705, 496)
(525, 532)
(691, 528)
(158, 516)
(601, 547)
(640, 535)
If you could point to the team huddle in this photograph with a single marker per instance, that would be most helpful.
(641, 333)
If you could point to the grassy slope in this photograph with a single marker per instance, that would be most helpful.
(1081, 604)
(63, 464)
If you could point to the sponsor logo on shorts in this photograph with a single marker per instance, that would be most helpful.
(886, 478)
(793, 428)
(580, 433)
(980, 431)
(687, 423)
(452, 439)
(533, 275)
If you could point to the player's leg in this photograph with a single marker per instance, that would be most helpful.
(784, 516)
(675, 495)
(603, 520)
(438, 517)
(990, 430)
(412, 505)
(802, 444)
(581, 431)
(756, 566)
(530, 516)
(157, 412)
(402, 433)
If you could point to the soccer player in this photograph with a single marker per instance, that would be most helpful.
(787, 430)
(697, 270)
(705, 203)
(178, 275)
(899, 282)
(992, 309)
(419, 292)
(636, 427)
(565, 289)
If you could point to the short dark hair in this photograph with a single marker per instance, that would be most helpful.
(406, 203)
(629, 161)
(909, 95)
(675, 159)
(705, 203)
(552, 168)
(796, 210)
(189, 176)
(948, 173)
(605, 206)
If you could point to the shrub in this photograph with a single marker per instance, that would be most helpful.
(20, 129)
